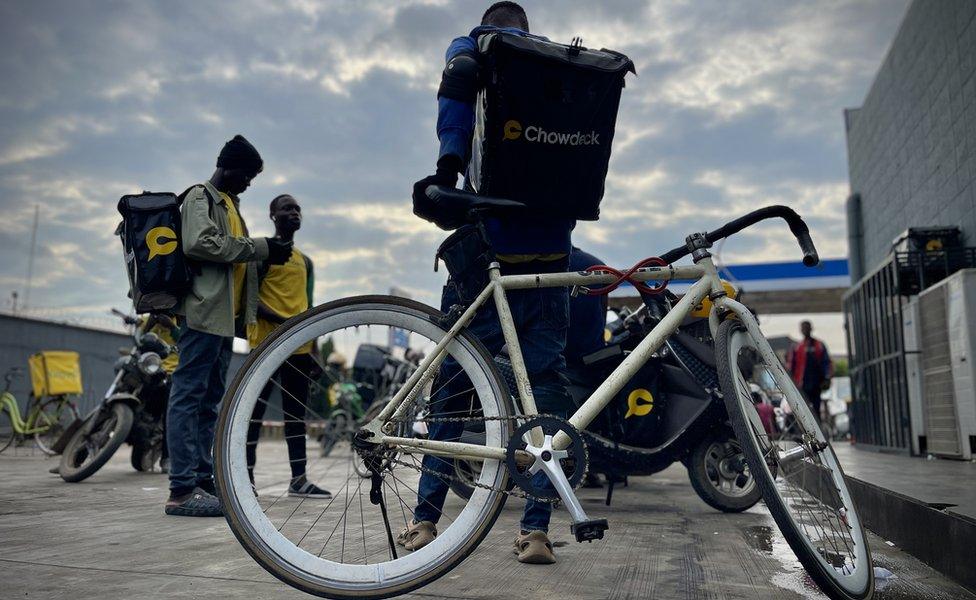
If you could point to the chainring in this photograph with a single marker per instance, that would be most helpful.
(574, 465)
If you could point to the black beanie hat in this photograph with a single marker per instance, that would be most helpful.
(240, 154)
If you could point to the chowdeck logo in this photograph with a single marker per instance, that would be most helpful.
(513, 130)
(640, 402)
(160, 241)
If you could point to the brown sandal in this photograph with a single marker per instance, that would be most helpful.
(534, 548)
(417, 535)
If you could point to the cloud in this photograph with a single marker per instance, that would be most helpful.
(735, 105)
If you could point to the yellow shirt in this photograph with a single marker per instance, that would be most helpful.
(173, 360)
(284, 291)
(240, 269)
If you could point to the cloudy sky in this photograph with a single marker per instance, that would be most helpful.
(737, 104)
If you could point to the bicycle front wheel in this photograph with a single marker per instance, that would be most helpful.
(55, 416)
(801, 480)
(344, 547)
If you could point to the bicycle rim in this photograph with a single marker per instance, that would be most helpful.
(339, 548)
(806, 494)
(7, 432)
(57, 414)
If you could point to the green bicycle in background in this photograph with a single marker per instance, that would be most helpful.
(47, 417)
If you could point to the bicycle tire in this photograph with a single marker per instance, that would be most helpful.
(45, 440)
(392, 584)
(6, 425)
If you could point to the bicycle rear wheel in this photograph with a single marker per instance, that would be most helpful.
(57, 414)
(341, 548)
(7, 432)
(802, 482)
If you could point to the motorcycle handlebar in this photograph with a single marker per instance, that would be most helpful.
(799, 229)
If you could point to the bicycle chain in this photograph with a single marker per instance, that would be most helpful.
(512, 492)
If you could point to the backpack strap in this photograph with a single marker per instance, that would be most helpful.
(309, 279)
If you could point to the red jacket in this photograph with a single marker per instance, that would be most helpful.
(796, 361)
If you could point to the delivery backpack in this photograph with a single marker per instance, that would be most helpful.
(159, 273)
(544, 123)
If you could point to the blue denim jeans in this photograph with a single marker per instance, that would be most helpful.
(541, 319)
(197, 387)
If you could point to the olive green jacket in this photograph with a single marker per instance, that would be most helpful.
(209, 305)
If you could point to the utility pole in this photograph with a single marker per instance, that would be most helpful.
(30, 259)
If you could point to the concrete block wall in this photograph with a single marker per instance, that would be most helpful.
(912, 144)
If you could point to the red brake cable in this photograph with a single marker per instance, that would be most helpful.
(640, 286)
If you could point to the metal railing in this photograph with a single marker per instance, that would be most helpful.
(873, 320)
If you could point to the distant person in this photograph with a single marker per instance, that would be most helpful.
(224, 291)
(810, 366)
(285, 291)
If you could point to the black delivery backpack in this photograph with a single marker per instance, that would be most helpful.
(544, 123)
(159, 273)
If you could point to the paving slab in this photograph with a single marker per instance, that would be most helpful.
(108, 538)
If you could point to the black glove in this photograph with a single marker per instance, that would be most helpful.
(279, 251)
(446, 175)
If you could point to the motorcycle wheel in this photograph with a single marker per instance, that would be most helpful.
(85, 455)
(465, 472)
(714, 477)
(148, 448)
(335, 430)
(145, 458)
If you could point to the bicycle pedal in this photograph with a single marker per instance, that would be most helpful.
(587, 531)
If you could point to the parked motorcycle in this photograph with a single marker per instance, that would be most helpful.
(133, 409)
(670, 411)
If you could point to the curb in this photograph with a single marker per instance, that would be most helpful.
(942, 540)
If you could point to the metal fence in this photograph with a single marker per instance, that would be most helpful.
(876, 354)
(873, 318)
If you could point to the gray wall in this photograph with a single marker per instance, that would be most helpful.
(20, 337)
(912, 145)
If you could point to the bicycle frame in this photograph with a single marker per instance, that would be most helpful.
(707, 283)
(21, 426)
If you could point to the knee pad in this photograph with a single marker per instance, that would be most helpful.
(461, 78)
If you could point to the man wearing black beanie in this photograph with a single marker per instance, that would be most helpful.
(223, 300)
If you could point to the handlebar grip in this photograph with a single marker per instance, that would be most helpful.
(810, 256)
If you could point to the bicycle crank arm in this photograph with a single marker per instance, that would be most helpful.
(584, 528)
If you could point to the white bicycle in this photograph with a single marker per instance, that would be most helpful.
(345, 547)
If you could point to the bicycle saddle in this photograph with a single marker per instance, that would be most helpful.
(449, 208)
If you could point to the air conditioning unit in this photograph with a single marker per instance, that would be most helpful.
(947, 341)
(913, 375)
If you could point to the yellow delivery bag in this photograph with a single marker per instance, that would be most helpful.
(54, 373)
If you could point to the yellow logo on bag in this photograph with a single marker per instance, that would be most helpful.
(161, 241)
(635, 408)
(513, 129)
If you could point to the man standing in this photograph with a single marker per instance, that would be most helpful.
(285, 291)
(811, 368)
(521, 245)
(224, 291)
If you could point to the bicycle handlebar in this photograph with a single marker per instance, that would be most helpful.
(799, 229)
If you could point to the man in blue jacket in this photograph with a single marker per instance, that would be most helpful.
(521, 245)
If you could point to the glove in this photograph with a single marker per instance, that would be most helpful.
(446, 175)
(279, 251)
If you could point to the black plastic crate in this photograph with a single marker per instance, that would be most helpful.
(917, 271)
(927, 239)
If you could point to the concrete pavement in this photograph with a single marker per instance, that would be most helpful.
(108, 538)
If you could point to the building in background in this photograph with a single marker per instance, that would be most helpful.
(912, 166)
